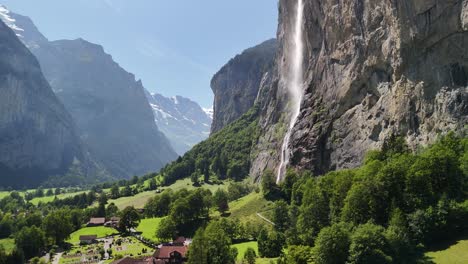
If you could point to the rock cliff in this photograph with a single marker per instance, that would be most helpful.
(236, 85)
(109, 107)
(372, 69)
(37, 135)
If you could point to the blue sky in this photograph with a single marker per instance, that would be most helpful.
(174, 46)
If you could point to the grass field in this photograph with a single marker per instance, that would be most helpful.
(48, 199)
(139, 200)
(8, 244)
(100, 231)
(456, 254)
(148, 227)
(242, 247)
(246, 208)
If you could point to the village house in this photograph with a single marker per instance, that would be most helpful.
(170, 254)
(113, 222)
(96, 221)
(88, 239)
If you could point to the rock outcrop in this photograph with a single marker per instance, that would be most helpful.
(372, 69)
(109, 107)
(38, 137)
(182, 120)
(236, 85)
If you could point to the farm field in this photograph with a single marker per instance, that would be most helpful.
(455, 254)
(100, 231)
(148, 227)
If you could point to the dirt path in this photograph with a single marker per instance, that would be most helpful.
(265, 219)
(57, 258)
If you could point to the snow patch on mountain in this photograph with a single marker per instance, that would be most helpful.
(209, 112)
(182, 120)
(9, 21)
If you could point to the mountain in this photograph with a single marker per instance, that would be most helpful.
(109, 106)
(236, 84)
(372, 69)
(38, 137)
(182, 120)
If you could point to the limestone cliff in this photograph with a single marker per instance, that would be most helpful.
(372, 69)
(37, 135)
(236, 85)
(109, 107)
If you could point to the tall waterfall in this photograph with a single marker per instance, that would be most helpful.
(294, 84)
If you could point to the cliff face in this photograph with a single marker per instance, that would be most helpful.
(236, 85)
(37, 135)
(372, 69)
(182, 120)
(110, 108)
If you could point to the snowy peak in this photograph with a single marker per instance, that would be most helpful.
(24, 28)
(182, 120)
(5, 16)
(209, 112)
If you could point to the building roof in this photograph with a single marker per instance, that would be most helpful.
(115, 219)
(97, 220)
(179, 240)
(164, 252)
(129, 260)
(88, 237)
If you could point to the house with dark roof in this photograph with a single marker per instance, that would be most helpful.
(96, 221)
(170, 254)
(88, 239)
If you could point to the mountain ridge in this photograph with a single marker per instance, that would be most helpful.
(108, 104)
(182, 120)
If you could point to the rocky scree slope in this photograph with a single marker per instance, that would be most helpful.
(38, 137)
(109, 106)
(372, 69)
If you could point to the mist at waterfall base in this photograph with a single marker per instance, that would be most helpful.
(294, 84)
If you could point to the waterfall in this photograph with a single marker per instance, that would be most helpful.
(294, 84)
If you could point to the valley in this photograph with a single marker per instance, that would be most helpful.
(342, 140)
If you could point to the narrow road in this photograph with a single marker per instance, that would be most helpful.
(57, 258)
(265, 219)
